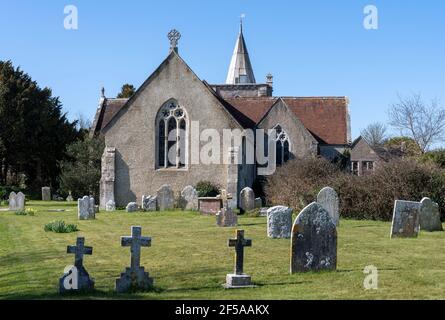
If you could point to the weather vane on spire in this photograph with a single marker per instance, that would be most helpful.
(174, 37)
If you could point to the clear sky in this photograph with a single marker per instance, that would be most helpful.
(313, 48)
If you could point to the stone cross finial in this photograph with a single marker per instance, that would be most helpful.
(174, 37)
(102, 92)
(79, 250)
(136, 241)
(239, 243)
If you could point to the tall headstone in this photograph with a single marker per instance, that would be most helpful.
(165, 198)
(108, 176)
(12, 201)
(77, 278)
(405, 220)
(328, 198)
(314, 241)
(239, 279)
(16, 201)
(46, 194)
(189, 198)
(233, 176)
(247, 200)
(430, 216)
(149, 203)
(134, 277)
(279, 222)
(85, 208)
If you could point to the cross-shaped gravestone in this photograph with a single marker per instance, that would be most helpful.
(136, 241)
(77, 278)
(79, 250)
(239, 243)
(239, 279)
(224, 196)
(134, 277)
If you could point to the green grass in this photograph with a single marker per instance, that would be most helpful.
(189, 258)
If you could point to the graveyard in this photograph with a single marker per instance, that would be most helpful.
(189, 257)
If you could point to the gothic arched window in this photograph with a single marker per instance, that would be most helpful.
(171, 132)
(282, 146)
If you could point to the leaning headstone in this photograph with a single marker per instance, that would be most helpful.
(314, 241)
(76, 278)
(110, 206)
(239, 279)
(20, 201)
(86, 208)
(189, 198)
(70, 197)
(279, 222)
(46, 194)
(165, 198)
(12, 201)
(132, 207)
(405, 220)
(429, 218)
(149, 203)
(226, 218)
(247, 200)
(134, 277)
(328, 198)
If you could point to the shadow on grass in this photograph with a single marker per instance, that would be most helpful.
(31, 257)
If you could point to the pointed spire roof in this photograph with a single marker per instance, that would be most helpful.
(240, 70)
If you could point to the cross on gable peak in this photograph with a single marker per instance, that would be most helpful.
(174, 36)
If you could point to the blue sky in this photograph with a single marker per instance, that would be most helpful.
(312, 47)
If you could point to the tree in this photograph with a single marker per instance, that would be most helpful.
(375, 134)
(81, 172)
(403, 146)
(422, 122)
(127, 91)
(34, 132)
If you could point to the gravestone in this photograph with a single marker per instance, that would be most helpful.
(328, 198)
(258, 203)
(132, 207)
(239, 279)
(429, 218)
(405, 220)
(84, 282)
(70, 197)
(279, 222)
(108, 176)
(149, 203)
(189, 198)
(134, 277)
(226, 217)
(110, 206)
(46, 194)
(314, 241)
(247, 200)
(263, 212)
(85, 208)
(165, 198)
(16, 201)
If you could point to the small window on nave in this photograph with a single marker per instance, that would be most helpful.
(171, 127)
(282, 146)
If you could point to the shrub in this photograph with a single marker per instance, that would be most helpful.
(366, 197)
(60, 227)
(27, 212)
(207, 189)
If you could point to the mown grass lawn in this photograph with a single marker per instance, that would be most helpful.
(189, 258)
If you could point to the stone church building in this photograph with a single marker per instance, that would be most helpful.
(137, 130)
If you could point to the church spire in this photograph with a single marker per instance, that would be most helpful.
(240, 69)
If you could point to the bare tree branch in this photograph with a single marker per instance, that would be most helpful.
(375, 134)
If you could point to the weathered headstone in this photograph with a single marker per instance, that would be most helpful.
(12, 201)
(189, 198)
(258, 203)
(149, 203)
(279, 222)
(110, 206)
(314, 241)
(328, 198)
(46, 194)
(247, 200)
(132, 207)
(263, 212)
(429, 218)
(134, 277)
(86, 208)
(77, 278)
(405, 220)
(108, 176)
(70, 197)
(16, 201)
(165, 198)
(239, 279)
(226, 217)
